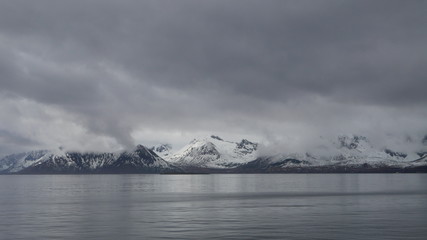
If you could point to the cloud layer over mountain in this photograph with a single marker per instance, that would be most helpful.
(100, 75)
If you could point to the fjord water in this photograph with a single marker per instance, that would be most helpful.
(228, 206)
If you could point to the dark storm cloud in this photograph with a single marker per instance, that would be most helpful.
(244, 66)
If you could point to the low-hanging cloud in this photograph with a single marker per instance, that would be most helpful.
(270, 70)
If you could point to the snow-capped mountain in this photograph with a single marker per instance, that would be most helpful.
(346, 152)
(17, 162)
(214, 152)
(139, 160)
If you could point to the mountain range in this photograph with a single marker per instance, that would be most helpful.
(345, 154)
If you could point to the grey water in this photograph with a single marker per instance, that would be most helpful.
(223, 206)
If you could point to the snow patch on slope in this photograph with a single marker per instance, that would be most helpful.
(162, 150)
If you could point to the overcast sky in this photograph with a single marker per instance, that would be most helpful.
(106, 75)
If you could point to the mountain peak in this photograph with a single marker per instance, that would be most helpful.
(161, 148)
(215, 152)
(247, 146)
(246, 142)
(141, 147)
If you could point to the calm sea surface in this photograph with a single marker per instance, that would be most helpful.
(245, 206)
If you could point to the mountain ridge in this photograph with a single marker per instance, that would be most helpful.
(139, 160)
(215, 155)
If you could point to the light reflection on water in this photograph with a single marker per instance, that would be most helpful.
(246, 206)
